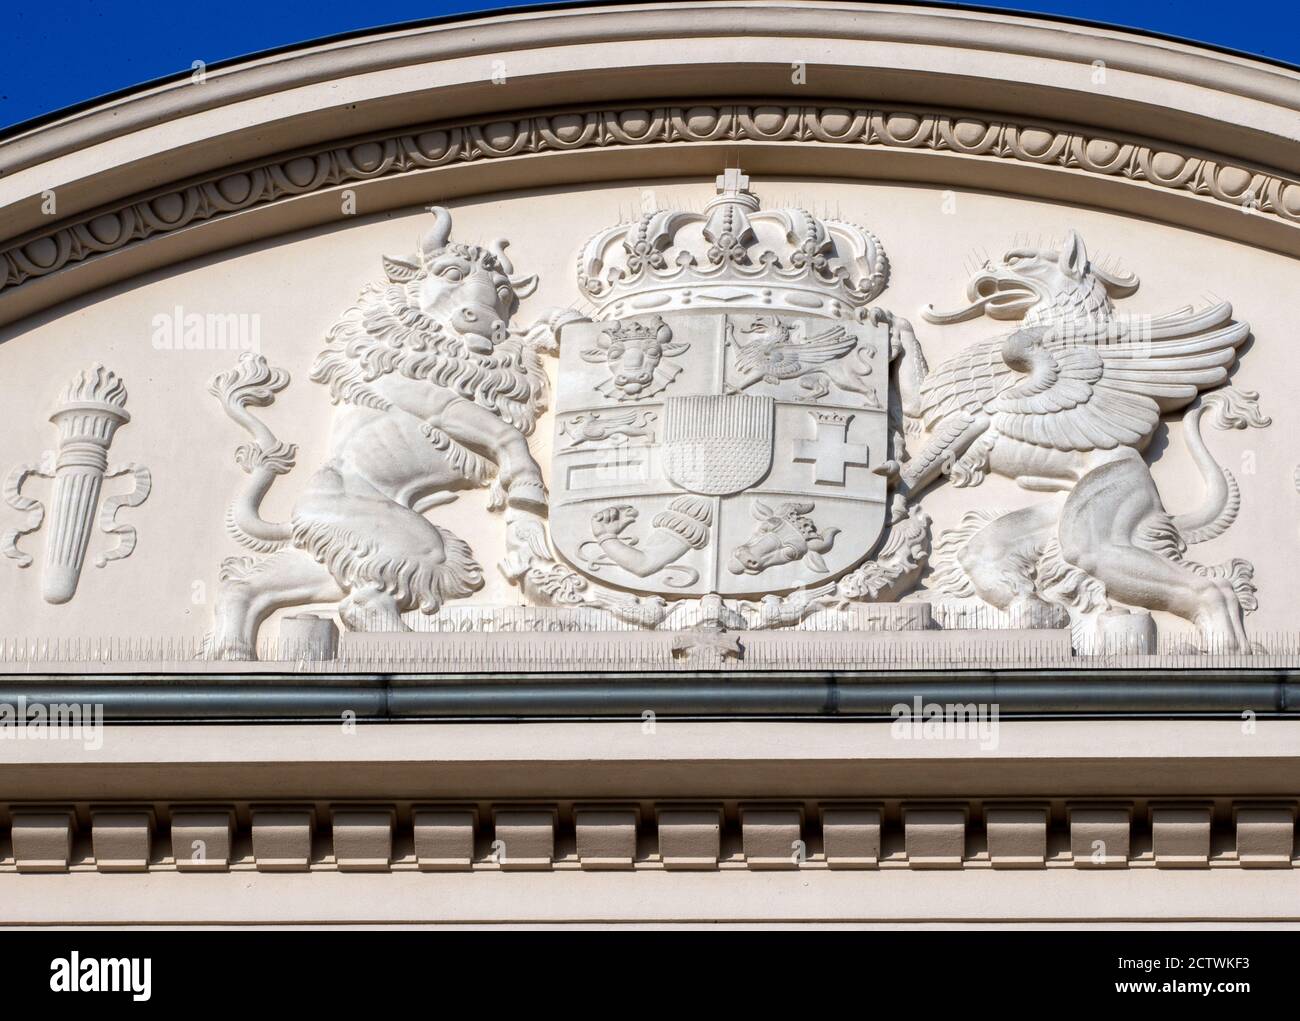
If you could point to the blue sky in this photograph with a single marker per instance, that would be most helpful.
(54, 53)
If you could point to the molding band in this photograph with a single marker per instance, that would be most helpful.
(1099, 166)
(635, 835)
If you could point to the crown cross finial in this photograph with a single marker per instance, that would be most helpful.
(731, 250)
(733, 182)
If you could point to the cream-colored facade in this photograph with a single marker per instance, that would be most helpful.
(764, 462)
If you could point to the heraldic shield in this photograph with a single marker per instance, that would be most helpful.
(700, 452)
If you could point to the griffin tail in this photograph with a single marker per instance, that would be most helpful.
(253, 383)
(1229, 408)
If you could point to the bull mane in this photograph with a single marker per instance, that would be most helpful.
(386, 332)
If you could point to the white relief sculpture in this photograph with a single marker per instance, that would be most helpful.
(897, 566)
(705, 650)
(616, 427)
(637, 356)
(771, 351)
(829, 451)
(88, 414)
(33, 509)
(774, 403)
(716, 445)
(736, 253)
(785, 534)
(532, 564)
(683, 525)
(892, 571)
(955, 595)
(436, 393)
(703, 448)
(1064, 405)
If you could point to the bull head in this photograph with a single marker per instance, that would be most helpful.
(783, 536)
(471, 289)
(634, 354)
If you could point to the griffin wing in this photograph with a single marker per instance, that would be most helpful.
(790, 358)
(973, 379)
(825, 347)
(1081, 396)
(966, 382)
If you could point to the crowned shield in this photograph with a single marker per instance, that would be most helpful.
(728, 452)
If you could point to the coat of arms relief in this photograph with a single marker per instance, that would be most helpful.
(738, 342)
(731, 430)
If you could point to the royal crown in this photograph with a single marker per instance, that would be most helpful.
(734, 254)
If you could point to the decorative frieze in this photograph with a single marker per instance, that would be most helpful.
(1142, 162)
(677, 835)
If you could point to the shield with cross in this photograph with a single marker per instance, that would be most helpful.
(725, 452)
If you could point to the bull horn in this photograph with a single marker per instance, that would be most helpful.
(437, 236)
(498, 248)
(523, 286)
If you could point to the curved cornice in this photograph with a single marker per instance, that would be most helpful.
(1111, 119)
(585, 26)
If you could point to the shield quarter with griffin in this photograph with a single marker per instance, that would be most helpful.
(717, 424)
